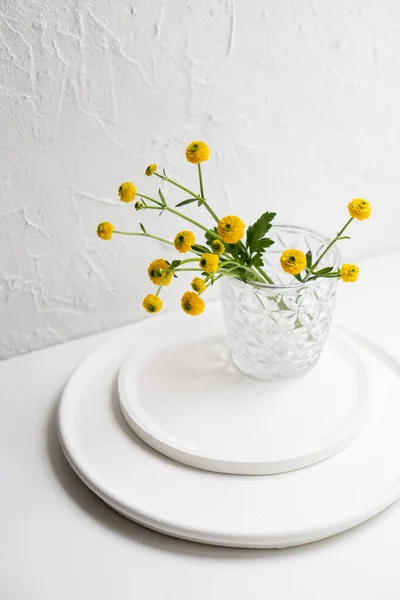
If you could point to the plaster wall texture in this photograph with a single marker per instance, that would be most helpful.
(299, 102)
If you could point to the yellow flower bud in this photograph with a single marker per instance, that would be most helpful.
(105, 230)
(359, 209)
(127, 192)
(217, 247)
(198, 285)
(197, 152)
(139, 205)
(349, 273)
(192, 304)
(209, 262)
(184, 240)
(158, 270)
(293, 261)
(150, 170)
(231, 229)
(152, 303)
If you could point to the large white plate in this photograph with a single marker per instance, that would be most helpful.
(269, 511)
(190, 403)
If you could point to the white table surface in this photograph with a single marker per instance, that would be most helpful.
(59, 541)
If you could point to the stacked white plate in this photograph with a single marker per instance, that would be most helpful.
(160, 425)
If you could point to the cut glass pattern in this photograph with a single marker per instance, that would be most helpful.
(278, 331)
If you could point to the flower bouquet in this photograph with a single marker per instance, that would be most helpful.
(278, 282)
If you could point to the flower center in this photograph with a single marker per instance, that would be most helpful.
(292, 259)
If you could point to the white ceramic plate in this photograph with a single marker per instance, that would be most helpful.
(261, 512)
(191, 404)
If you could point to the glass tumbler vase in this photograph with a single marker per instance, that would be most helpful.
(277, 332)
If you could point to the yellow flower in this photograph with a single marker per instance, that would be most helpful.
(152, 303)
(139, 205)
(197, 152)
(184, 240)
(198, 285)
(105, 230)
(150, 170)
(359, 209)
(231, 229)
(127, 191)
(293, 261)
(349, 273)
(192, 304)
(158, 272)
(217, 247)
(209, 263)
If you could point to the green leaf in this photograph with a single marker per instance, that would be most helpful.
(210, 238)
(324, 271)
(258, 230)
(257, 260)
(256, 243)
(188, 201)
(175, 263)
(345, 237)
(142, 228)
(265, 243)
(309, 259)
(162, 197)
(199, 248)
(298, 277)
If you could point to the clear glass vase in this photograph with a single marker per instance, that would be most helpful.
(278, 331)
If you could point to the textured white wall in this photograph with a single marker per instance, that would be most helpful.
(298, 100)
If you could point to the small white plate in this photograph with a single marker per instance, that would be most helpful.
(190, 403)
(269, 511)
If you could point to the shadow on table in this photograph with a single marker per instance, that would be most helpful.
(109, 518)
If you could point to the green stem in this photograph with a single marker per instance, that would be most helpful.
(331, 244)
(207, 206)
(154, 237)
(327, 276)
(148, 198)
(245, 267)
(181, 270)
(200, 180)
(263, 273)
(175, 212)
(166, 277)
(176, 184)
(187, 260)
(214, 280)
(185, 189)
